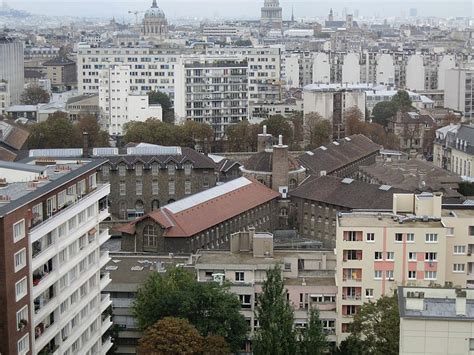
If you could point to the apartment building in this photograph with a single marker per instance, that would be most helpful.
(4, 97)
(377, 251)
(212, 90)
(12, 67)
(120, 105)
(458, 91)
(308, 276)
(436, 321)
(62, 73)
(453, 149)
(50, 215)
(297, 69)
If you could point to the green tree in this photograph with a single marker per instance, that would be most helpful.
(56, 132)
(317, 130)
(312, 339)
(298, 127)
(352, 345)
(377, 323)
(274, 312)
(242, 137)
(401, 100)
(97, 137)
(158, 97)
(34, 95)
(215, 345)
(171, 336)
(277, 125)
(210, 307)
(383, 111)
(197, 133)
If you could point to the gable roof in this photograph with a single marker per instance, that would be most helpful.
(206, 209)
(346, 193)
(338, 154)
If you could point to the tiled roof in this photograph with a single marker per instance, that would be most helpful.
(346, 193)
(262, 161)
(6, 154)
(337, 155)
(198, 212)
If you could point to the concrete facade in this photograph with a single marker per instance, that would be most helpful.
(12, 68)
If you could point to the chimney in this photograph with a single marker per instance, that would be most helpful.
(280, 166)
(264, 140)
(85, 145)
(460, 303)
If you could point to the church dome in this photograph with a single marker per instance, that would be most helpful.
(154, 11)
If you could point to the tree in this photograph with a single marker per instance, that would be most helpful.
(313, 340)
(401, 100)
(279, 125)
(158, 97)
(274, 312)
(317, 130)
(97, 137)
(197, 133)
(171, 336)
(34, 95)
(383, 111)
(210, 307)
(450, 118)
(352, 345)
(377, 323)
(216, 345)
(242, 137)
(298, 127)
(56, 132)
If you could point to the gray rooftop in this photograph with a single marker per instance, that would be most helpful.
(22, 167)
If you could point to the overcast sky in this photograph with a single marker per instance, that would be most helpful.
(243, 8)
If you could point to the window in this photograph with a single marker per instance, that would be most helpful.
(150, 238)
(390, 255)
(449, 231)
(105, 170)
(239, 276)
(411, 256)
(122, 170)
(351, 310)
(23, 345)
(389, 274)
(155, 188)
(458, 267)
(245, 301)
(62, 229)
(20, 289)
(378, 274)
(378, 255)
(412, 275)
(187, 187)
(398, 237)
(171, 188)
(81, 217)
(63, 282)
(63, 307)
(471, 230)
(21, 318)
(91, 211)
(411, 237)
(139, 188)
(459, 249)
(18, 231)
(61, 198)
(369, 292)
(430, 275)
(50, 206)
(123, 188)
(20, 259)
(139, 170)
(72, 223)
(187, 169)
(155, 169)
(431, 238)
(352, 236)
(171, 169)
(430, 257)
(370, 237)
(471, 344)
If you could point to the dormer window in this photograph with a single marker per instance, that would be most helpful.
(155, 168)
(122, 170)
(171, 169)
(138, 169)
(188, 168)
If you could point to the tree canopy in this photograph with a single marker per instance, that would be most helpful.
(275, 315)
(317, 130)
(171, 336)
(313, 340)
(34, 95)
(279, 125)
(384, 110)
(242, 137)
(58, 132)
(210, 307)
(158, 97)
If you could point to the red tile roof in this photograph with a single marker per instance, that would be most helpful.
(205, 215)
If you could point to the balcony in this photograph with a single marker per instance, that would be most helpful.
(41, 273)
(45, 327)
(105, 302)
(44, 299)
(351, 297)
(104, 280)
(106, 344)
(42, 245)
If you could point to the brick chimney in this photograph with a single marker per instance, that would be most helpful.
(280, 166)
(85, 145)
(264, 140)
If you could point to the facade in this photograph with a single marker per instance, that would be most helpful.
(315, 204)
(146, 177)
(212, 90)
(453, 149)
(458, 91)
(118, 105)
(12, 67)
(50, 215)
(271, 15)
(62, 73)
(436, 321)
(203, 221)
(4, 97)
(83, 105)
(308, 276)
(377, 251)
(155, 25)
(332, 102)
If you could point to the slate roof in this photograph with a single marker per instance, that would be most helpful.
(346, 193)
(335, 156)
(58, 61)
(206, 209)
(263, 161)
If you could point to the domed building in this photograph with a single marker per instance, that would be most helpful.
(155, 25)
(273, 166)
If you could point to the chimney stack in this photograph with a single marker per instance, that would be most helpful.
(264, 140)
(85, 145)
(280, 167)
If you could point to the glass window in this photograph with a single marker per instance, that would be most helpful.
(139, 188)
(187, 169)
(123, 188)
(155, 168)
(411, 275)
(410, 237)
(459, 249)
(171, 188)
(458, 267)
(370, 237)
(369, 292)
(138, 169)
(390, 255)
(171, 169)
(150, 237)
(412, 256)
(430, 275)
(378, 274)
(431, 238)
(187, 187)
(378, 255)
(20, 289)
(398, 237)
(19, 230)
(122, 170)
(23, 345)
(22, 318)
(239, 276)
(20, 259)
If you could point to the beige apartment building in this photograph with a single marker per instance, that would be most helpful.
(436, 321)
(308, 276)
(417, 244)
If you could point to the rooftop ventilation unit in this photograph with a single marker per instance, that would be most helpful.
(385, 187)
(347, 181)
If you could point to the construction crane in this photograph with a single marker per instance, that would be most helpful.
(136, 13)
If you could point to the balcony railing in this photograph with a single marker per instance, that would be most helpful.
(346, 278)
(351, 297)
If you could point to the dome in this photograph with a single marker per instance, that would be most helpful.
(154, 11)
(262, 162)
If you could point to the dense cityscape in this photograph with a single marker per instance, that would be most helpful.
(278, 179)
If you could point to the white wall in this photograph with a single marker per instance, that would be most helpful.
(292, 71)
(448, 62)
(321, 69)
(140, 110)
(351, 69)
(415, 73)
(385, 69)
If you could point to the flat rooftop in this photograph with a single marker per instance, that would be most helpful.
(382, 219)
(57, 172)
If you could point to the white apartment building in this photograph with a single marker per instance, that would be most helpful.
(51, 216)
(12, 67)
(211, 89)
(459, 91)
(375, 96)
(119, 105)
(297, 69)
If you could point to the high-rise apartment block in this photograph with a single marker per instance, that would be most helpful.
(12, 68)
(212, 90)
(50, 215)
(459, 91)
